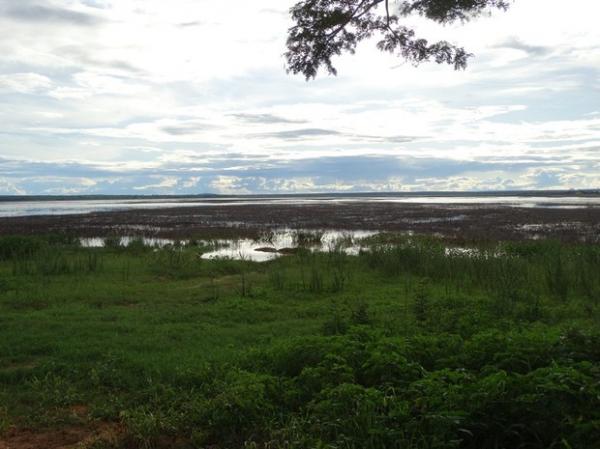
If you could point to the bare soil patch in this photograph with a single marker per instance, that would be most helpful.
(71, 437)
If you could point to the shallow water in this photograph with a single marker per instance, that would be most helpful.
(100, 242)
(268, 247)
(277, 244)
(67, 207)
(281, 242)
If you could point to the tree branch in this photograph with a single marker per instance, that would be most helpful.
(326, 28)
(387, 12)
(353, 16)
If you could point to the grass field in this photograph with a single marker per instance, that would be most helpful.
(407, 345)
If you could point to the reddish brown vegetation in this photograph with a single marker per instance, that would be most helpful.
(459, 222)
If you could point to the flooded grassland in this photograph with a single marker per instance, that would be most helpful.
(566, 222)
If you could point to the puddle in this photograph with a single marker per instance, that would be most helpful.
(101, 242)
(458, 251)
(270, 245)
(277, 243)
(454, 218)
(546, 227)
(283, 242)
(273, 244)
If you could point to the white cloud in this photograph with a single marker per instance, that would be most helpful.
(228, 185)
(24, 83)
(8, 187)
(164, 182)
(197, 86)
(191, 182)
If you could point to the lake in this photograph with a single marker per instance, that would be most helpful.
(24, 208)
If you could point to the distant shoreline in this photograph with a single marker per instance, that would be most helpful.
(583, 193)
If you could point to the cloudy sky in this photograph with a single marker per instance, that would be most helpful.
(191, 96)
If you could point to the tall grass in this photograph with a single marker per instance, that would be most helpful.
(47, 256)
(510, 272)
(305, 238)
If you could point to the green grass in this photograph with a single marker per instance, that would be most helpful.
(403, 346)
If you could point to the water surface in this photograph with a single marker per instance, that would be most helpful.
(65, 207)
(269, 246)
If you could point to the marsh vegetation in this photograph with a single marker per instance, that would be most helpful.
(406, 344)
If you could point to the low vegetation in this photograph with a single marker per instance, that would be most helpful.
(409, 344)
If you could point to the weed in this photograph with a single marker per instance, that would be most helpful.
(145, 426)
(557, 279)
(335, 324)
(277, 278)
(19, 247)
(4, 420)
(422, 305)
(360, 313)
(307, 238)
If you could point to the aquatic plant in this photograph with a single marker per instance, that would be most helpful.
(307, 237)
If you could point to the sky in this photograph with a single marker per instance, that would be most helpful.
(192, 97)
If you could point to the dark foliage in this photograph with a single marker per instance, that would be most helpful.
(326, 28)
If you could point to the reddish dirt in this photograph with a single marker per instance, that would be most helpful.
(456, 221)
(71, 437)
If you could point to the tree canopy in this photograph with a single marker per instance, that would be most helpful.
(325, 28)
